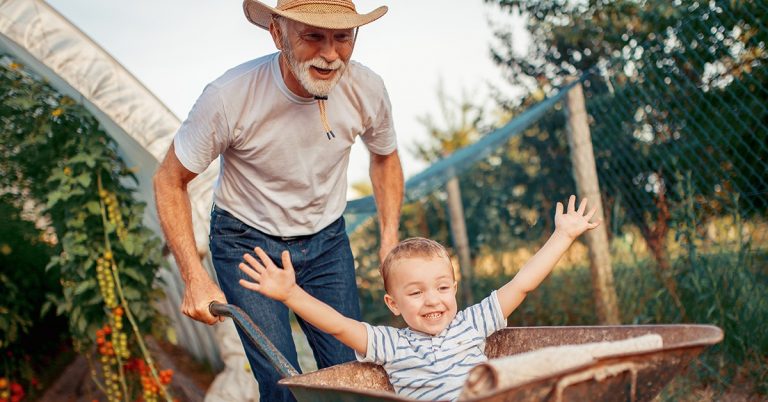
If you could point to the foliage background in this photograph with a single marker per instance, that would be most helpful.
(68, 198)
(676, 98)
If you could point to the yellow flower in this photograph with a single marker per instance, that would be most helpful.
(67, 170)
(5, 249)
(14, 66)
(57, 112)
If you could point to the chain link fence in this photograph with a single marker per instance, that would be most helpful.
(679, 125)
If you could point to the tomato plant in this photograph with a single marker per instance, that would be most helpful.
(66, 171)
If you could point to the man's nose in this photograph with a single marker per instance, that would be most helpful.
(328, 50)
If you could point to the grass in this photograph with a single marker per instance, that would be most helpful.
(723, 289)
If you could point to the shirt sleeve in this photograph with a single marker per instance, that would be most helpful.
(382, 345)
(487, 316)
(205, 134)
(380, 138)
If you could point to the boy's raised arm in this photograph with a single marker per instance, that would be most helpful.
(280, 284)
(568, 226)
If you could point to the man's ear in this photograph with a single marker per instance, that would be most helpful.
(391, 304)
(274, 30)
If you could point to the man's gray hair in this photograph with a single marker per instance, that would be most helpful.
(282, 24)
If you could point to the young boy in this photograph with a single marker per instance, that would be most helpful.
(431, 358)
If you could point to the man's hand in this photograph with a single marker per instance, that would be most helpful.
(198, 295)
(574, 222)
(268, 279)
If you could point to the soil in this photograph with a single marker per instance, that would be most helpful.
(202, 375)
(190, 379)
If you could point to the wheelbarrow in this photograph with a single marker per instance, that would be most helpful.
(635, 377)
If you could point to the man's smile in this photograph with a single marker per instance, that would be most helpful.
(323, 72)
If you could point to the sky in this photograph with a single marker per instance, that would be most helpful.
(175, 47)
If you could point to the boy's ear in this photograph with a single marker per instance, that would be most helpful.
(455, 287)
(391, 304)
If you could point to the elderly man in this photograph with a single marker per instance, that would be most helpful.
(283, 125)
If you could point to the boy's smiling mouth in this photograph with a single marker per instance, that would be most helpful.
(433, 316)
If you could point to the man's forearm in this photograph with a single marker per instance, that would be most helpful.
(175, 213)
(387, 180)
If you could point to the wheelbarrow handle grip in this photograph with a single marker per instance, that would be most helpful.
(263, 344)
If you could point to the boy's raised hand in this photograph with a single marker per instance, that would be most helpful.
(574, 221)
(268, 279)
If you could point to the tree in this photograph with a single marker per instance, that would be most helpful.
(665, 78)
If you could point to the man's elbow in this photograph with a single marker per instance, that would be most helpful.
(391, 158)
(159, 179)
(165, 180)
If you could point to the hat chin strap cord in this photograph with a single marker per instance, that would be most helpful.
(324, 116)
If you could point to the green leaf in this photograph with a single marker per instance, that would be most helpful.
(134, 274)
(88, 159)
(79, 250)
(94, 300)
(109, 227)
(131, 293)
(21, 102)
(46, 306)
(75, 223)
(85, 285)
(81, 324)
(52, 263)
(128, 244)
(93, 207)
(53, 198)
(84, 179)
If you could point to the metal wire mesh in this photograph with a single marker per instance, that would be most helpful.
(680, 131)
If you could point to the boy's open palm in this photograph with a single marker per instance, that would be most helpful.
(268, 279)
(280, 284)
(573, 222)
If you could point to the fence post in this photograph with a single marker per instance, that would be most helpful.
(460, 238)
(585, 175)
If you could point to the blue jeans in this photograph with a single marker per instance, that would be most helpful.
(324, 268)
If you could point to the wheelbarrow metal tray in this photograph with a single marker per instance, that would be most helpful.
(627, 377)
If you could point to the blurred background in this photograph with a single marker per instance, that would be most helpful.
(502, 109)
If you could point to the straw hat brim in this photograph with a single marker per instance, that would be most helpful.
(260, 14)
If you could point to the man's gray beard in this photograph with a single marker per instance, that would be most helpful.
(301, 71)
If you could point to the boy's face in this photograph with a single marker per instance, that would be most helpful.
(423, 290)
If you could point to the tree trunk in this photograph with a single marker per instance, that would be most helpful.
(655, 236)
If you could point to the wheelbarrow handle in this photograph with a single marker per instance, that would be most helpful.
(263, 344)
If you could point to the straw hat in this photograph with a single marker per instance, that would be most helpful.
(330, 14)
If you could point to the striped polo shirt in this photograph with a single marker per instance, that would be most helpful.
(426, 367)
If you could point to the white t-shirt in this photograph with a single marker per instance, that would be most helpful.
(426, 367)
(279, 171)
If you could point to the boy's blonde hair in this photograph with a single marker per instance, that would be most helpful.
(409, 248)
